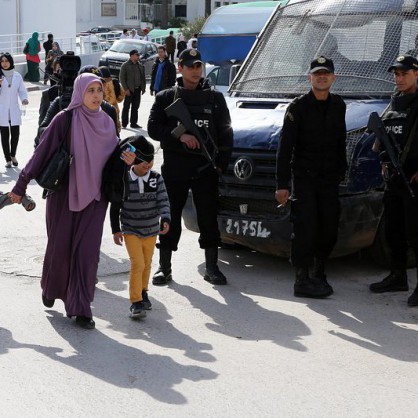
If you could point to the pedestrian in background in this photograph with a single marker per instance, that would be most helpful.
(311, 162)
(144, 212)
(186, 168)
(47, 47)
(124, 34)
(53, 54)
(33, 46)
(132, 78)
(113, 91)
(170, 45)
(192, 42)
(181, 44)
(12, 88)
(400, 209)
(163, 73)
(74, 214)
(134, 35)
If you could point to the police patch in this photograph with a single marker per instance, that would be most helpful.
(400, 59)
(193, 53)
(321, 60)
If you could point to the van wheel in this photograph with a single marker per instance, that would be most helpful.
(379, 251)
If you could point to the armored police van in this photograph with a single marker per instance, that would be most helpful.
(363, 37)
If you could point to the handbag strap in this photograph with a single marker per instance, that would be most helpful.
(68, 118)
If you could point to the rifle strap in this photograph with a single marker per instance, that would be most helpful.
(407, 147)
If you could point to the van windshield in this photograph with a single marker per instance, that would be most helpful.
(363, 38)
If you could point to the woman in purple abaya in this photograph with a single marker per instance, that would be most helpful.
(74, 214)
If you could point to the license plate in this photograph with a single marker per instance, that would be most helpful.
(246, 228)
(113, 67)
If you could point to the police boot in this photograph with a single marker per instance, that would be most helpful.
(396, 281)
(212, 273)
(413, 299)
(308, 287)
(163, 275)
(319, 273)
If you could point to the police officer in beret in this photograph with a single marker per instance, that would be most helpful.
(311, 162)
(400, 209)
(186, 168)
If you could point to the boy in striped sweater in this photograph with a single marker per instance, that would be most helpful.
(144, 213)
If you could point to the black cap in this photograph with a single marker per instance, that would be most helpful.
(189, 57)
(322, 63)
(133, 52)
(92, 69)
(105, 71)
(404, 62)
(144, 150)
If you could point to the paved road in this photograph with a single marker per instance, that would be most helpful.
(247, 349)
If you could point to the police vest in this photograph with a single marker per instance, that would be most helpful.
(396, 123)
(201, 104)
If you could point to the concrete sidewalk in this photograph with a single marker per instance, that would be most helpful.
(247, 349)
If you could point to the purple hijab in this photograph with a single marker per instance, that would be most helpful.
(93, 139)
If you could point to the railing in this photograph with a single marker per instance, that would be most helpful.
(81, 45)
(14, 43)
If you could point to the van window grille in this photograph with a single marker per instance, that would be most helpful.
(363, 37)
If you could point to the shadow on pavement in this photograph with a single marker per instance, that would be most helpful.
(122, 365)
(382, 323)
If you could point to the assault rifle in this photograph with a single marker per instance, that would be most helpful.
(179, 111)
(376, 125)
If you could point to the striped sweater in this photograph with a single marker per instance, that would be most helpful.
(141, 212)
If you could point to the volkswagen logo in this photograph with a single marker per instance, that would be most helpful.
(243, 169)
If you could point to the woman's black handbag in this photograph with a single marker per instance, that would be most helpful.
(26, 49)
(56, 171)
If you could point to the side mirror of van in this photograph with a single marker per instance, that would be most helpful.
(234, 70)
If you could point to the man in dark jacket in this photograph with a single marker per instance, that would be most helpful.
(163, 74)
(47, 47)
(312, 158)
(132, 78)
(170, 45)
(400, 209)
(186, 168)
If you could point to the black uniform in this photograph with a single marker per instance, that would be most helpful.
(400, 210)
(312, 156)
(185, 169)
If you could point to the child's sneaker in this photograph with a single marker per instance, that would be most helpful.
(137, 310)
(145, 301)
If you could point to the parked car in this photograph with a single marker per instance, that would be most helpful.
(110, 37)
(99, 29)
(119, 53)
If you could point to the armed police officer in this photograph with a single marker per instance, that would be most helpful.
(400, 208)
(311, 161)
(186, 167)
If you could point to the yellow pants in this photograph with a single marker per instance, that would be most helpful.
(140, 252)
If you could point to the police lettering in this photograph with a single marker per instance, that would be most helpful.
(397, 130)
(200, 123)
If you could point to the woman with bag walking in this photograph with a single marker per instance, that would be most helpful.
(32, 48)
(12, 88)
(75, 213)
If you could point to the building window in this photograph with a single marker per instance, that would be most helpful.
(226, 3)
(109, 9)
(180, 10)
(217, 4)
